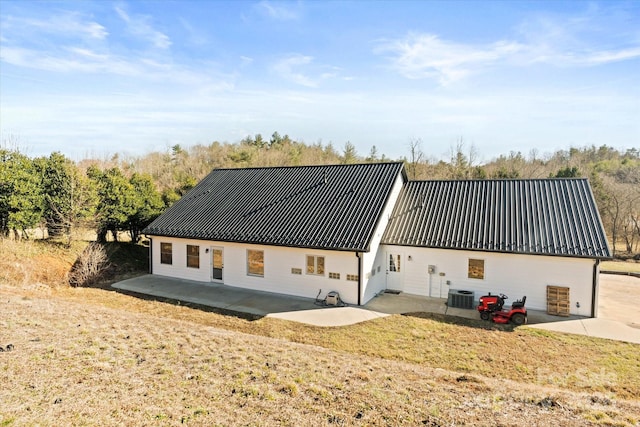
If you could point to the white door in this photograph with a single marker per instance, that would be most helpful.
(435, 286)
(217, 264)
(395, 271)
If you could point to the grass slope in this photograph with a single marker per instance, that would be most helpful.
(91, 356)
(85, 363)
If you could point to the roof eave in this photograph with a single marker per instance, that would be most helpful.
(456, 248)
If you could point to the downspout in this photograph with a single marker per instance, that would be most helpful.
(359, 255)
(594, 289)
(150, 255)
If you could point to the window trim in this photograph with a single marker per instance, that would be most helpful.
(192, 256)
(394, 261)
(315, 265)
(249, 273)
(469, 275)
(165, 253)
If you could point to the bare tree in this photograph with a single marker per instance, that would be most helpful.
(90, 267)
(416, 158)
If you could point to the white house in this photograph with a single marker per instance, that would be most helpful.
(518, 237)
(293, 230)
(362, 229)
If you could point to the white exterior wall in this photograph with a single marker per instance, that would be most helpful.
(370, 286)
(278, 262)
(511, 274)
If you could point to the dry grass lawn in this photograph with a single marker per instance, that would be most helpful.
(622, 266)
(95, 357)
(91, 356)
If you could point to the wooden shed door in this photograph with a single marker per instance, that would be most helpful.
(558, 302)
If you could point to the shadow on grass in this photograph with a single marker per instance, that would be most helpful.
(204, 308)
(463, 321)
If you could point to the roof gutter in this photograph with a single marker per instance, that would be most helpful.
(594, 289)
(359, 255)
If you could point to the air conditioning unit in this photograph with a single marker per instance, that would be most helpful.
(460, 299)
(332, 298)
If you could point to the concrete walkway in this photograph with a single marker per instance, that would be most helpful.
(600, 328)
(305, 310)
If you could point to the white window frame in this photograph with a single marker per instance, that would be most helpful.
(189, 256)
(484, 275)
(315, 265)
(249, 273)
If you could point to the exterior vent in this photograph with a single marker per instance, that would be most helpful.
(460, 299)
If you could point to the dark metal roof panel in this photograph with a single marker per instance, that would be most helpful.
(529, 216)
(328, 207)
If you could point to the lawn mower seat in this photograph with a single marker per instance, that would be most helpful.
(519, 303)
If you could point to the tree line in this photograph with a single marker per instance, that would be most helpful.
(125, 193)
(55, 194)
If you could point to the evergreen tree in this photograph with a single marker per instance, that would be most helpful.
(21, 196)
(56, 183)
(116, 201)
(147, 204)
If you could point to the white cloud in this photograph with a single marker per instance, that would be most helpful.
(558, 41)
(139, 26)
(71, 59)
(278, 12)
(604, 57)
(63, 24)
(197, 37)
(301, 70)
(577, 41)
(245, 60)
(82, 60)
(427, 56)
(287, 69)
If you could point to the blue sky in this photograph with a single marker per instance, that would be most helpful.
(93, 78)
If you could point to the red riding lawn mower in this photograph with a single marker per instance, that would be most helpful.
(491, 308)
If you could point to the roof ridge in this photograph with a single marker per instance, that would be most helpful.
(308, 166)
(500, 179)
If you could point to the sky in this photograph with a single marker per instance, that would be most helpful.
(95, 78)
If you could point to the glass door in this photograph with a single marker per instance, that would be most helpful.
(217, 263)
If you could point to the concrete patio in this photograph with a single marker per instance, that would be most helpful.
(306, 310)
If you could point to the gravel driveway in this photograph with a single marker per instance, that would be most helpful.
(619, 299)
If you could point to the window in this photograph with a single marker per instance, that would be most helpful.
(476, 268)
(166, 253)
(334, 276)
(315, 265)
(352, 277)
(394, 262)
(296, 271)
(193, 256)
(255, 263)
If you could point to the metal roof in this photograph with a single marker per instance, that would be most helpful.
(529, 216)
(326, 207)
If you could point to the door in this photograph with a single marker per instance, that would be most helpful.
(435, 285)
(395, 271)
(217, 263)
